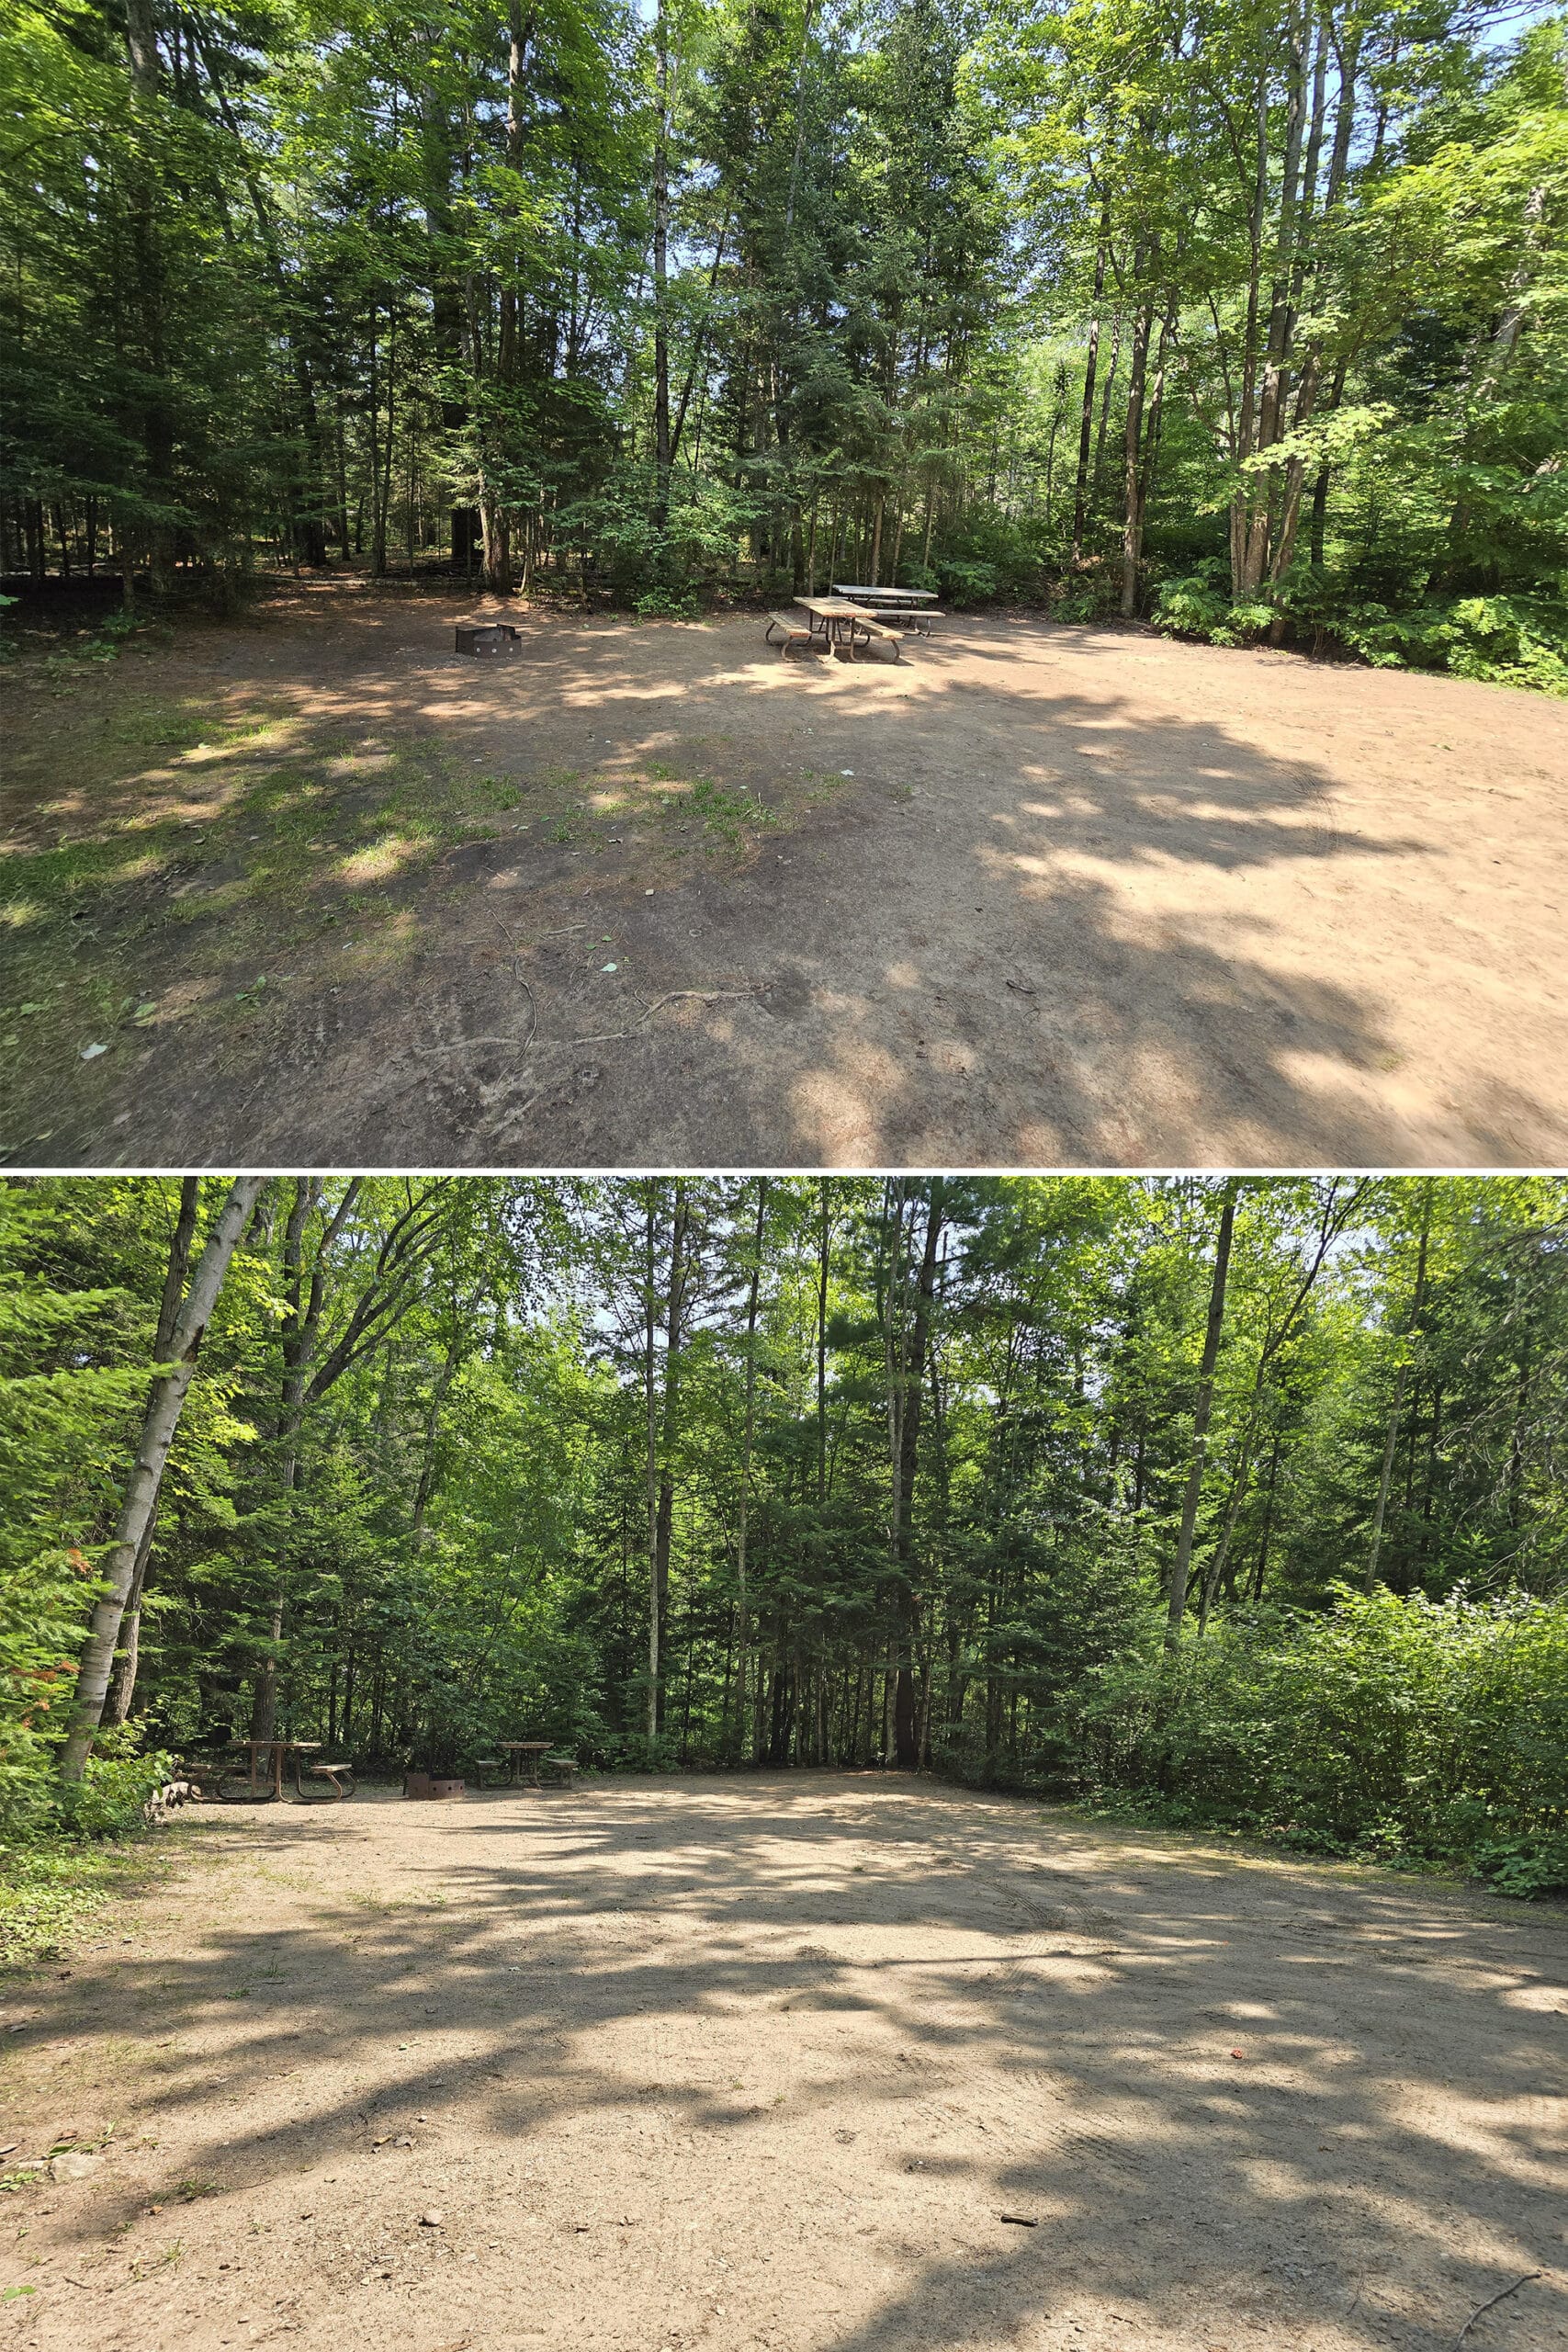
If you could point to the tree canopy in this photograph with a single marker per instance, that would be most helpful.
(1247, 316)
(1245, 1495)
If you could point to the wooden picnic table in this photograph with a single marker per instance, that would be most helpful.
(886, 596)
(834, 618)
(835, 621)
(533, 1749)
(277, 1752)
(919, 604)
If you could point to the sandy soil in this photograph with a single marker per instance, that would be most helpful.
(1041, 895)
(766, 2063)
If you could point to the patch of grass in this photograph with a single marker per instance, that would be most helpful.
(496, 793)
(220, 866)
(728, 818)
(50, 1890)
(145, 2264)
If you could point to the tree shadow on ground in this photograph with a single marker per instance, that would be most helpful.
(1232, 2094)
(982, 906)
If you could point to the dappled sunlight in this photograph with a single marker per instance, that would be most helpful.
(378, 861)
(1037, 892)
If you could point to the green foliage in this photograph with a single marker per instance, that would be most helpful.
(666, 605)
(1506, 641)
(1195, 607)
(1509, 640)
(301, 287)
(113, 1796)
(1390, 1727)
(441, 1538)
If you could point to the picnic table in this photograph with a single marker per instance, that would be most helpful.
(835, 620)
(913, 601)
(901, 597)
(530, 1748)
(276, 1752)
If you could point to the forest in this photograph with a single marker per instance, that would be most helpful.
(1247, 318)
(1239, 1499)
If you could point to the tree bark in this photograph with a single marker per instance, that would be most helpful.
(1132, 488)
(1182, 1564)
(751, 1430)
(661, 444)
(128, 1655)
(652, 1466)
(164, 1408)
(1086, 419)
(1391, 1438)
(905, 1355)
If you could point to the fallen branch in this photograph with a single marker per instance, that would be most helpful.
(599, 1036)
(614, 1036)
(517, 976)
(1501, 2296)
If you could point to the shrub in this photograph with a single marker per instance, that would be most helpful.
(113, 1795)
(665, 603)
(1195, 607)
(1508, 641)
(1408, 1728)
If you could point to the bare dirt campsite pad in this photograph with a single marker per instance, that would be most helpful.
(768, 2064)
(322, 891)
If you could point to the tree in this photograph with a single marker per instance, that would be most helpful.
(164, 1406)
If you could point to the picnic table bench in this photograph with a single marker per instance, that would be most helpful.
(791, 633)
(836, 623)
(919, 604)
(526, 1753)
(247, 1766)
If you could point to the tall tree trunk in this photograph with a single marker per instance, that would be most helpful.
(165, 1406)
(1391, 1438)
(1132, 481)
(156, 419)
(1091, 361)
(1182, 1564)
(128, 1656)
(661, 447)
(673, 1342)
(905, 1354)
(750, 1429)
(649, 1325)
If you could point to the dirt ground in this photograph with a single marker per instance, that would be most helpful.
(768, 2064)
(1044, 895)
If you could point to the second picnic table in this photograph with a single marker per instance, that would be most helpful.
(530, 1750)
(912, 600)
(276, 1752)
(900, 597)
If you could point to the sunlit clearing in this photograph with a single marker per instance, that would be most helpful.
(379, 860)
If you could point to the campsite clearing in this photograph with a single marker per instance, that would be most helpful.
(313, 889)
(768, 2061)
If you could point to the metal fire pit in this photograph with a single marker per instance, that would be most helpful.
(480, 638)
